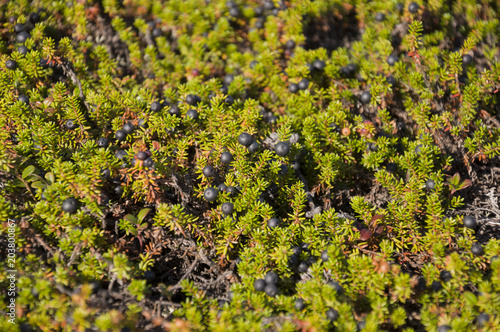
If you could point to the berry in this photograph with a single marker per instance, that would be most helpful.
(338, 288)
(226, 158)
(379, 17)
(466, 59)
(282, 149)
(324, 255)
(293, 261)
(254, 147)
(392, 59)
(445, 275)
(245, 139)
(174, 110)
(104, 198)
(303, 267)
(193, 114)
(233, 191)
(258, 11)
(118, 190)
(142, 123)
(156, 32)
(268, 5)
(303, 84)
(444, 328)
(70, 205)
(296, 250)
(418, 149)
(106, 173)
(259, 285)
(222, 187)
(156, 107)
(253, 64)
(482, 319)
(391, 168)
(271, 290)
(102, 142)
(470, 222)
(18, 28)
(192, 99)
(128, 128)
(477, 249)
(319, 65)
(290, 44)
(22, 37)
(430, 184)
(271, 278)
(436, 286)
(234, 12)
(120, 135)
(391, 80)
(23, 50)
(400, 6)
(227, 208)
(149, 163)
(11, 64)
(299, 304)
(413, 7)
(141, 155)
(208, 171)
(70, 124)
(361, 325)
(24, 99)
(229, 100)
(293, 88)
(120, 154)
(228, 79)
(273, 222)
(365, 98)
(332, 314)
(210, 194)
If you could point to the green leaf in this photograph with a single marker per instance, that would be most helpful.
(131, 218)
(28, 171)
(39, 185)
(470, 298)
(50, 177)
(142, 214)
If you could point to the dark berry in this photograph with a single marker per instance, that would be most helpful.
(290, 44)
(271, 290)
(332, 315)
(470, 222)
(430, 184)
(24, 99)
(477, 249)
(232, 191)
(319, 65)
(273, 222)
(156, 106)
(229, 100)
(400, 6)
(391, 80)
(282, 149)
(102, 142)
(23, 50)
(391, 168)
(258, 11)
(210, 194)
(227, 208)
(71, 124)
(271, 278)
(293, 88)
(392, 59)
(413, 7)
(296, 250)
(259, 24)
(299, 304)
(156, 32)
(245, 139)
(120, 154)
(226, 158)
(104, 198)
(174, 110)
(444, 328)
(22, 37)
(254, 147)
(192, 99)
(34, 18)
(268, 5)
(293, 261)
(118, 190)
(305, 246)
(361, 325)
(482, 319)
(106, 173)
(128, 128)
(466, 59)
(228, 79)
(208, 171)
(141, 155)
(445, 275)
(379, 17)
(18, 28)
(142, 123)
(272, 119)
(337, 287)
(259, 285)
(234, 12)
(365, 97)
(222, 187)
(11, 64)
(436, 286)
(224, 89)
(303, 84)
(70, 205)
(120, 135)
(324, 255)
(303, 267)
(253, 64)
(193, 114)
(149, 163)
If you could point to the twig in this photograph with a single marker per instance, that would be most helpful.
(69, 72)
(188, 272)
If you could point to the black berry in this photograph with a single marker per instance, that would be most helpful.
(299, 304)
(303, 267)
(156, 106)
(174, 110)
(156, 32)
(470, 222)
(445, 275)
(271, 278)
(128, 128)
(11, 64)
(319, 65)
(22, 37)
(282, 149)
(324, 256)
(430, 184)
(259, 285)
(24, 99)
(391, 80)
(71, 124)
(413, 7)
(337, 287)
(118, 190)
(477, 249)
(70, 205)
(192, 99)
(120, 154)
(273, 222)
(227, 208)
(102, 142)
(229, 100)
(392, 59)
(303, 84)
(467, 59)
(254, 147)
(228, 79)
(208, 171)
(120, 135)
(365, 97)
(482, 319)
(23, 50)
(271, 290)
(141, 155)
(149, 163)
(379, 17)
(332, 314)
(18, 28)
(297, 250)
(193, 114)
(391, 168)
(245, 139)
(444, 328)
(436, 286)
(234, 12)
(293, 88)
(226, 158)
(210, 194)
(290, 44)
